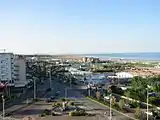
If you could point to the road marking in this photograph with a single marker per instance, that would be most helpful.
(112, 109)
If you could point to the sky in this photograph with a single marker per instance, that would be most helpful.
(79, 26)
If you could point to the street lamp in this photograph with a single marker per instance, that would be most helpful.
(148, 87)
(89, 90)
(66, 89)
(110, 107)
(50, 79)
(34, 88)
(3, 100)
(147, 102)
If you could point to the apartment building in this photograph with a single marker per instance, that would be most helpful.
(7, 68)
(12, 69)
(20, 68)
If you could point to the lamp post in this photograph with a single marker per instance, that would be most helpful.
(3, 100)
(66, 92)
(147, 102)
(34, 88)
(148, 87)
(89, 90)
(110, 108)
(50, 79)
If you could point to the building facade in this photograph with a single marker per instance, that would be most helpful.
(7, 68)
(12, 69)
(20, 65)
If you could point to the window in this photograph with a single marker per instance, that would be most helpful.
(2, 72)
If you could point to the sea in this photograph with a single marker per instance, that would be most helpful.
(154, 56)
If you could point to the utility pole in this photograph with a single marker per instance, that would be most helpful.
(3, 100)
(34, 88)
(50, 79)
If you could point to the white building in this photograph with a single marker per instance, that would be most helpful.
(21, 71)
(12, 69)
(124, 75)
(7, 68)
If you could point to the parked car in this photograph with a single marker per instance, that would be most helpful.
(51, 99)
(57, 93)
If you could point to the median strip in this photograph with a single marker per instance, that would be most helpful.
(111, 108)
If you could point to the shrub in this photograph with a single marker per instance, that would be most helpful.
(134, 105)
(78, 113)
(42, 114)
(74, 114)
(63, 99)
(137, 113)
(36, 100)
(116, 106)
(71, 103)
(57, 104)
(47, 112)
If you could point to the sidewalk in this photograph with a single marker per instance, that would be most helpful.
(17, 107)
(21, 105)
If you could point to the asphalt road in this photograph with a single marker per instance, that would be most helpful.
(99, 109)
(28, 95)
(92, 107)
(35, 109)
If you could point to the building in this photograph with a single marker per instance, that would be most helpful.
(121, 77)
(20, 68)
(84, 59)
(90, 59)
(12, 69)
(7, 68)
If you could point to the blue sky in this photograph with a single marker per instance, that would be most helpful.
(79, 26)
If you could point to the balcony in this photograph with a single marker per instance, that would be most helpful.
(16, 66)
(16, 70)
(16, 75)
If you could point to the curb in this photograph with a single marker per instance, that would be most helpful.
(111, 108)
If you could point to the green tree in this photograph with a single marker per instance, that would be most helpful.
(98, 95)
(137, 113)
(121, 104)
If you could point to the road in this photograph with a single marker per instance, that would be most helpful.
(36, 109)
(99, 109)
(90, 106)
(18, 103)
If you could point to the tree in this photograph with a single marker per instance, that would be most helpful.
(138, 113)
(98, 95)
(121, 104)
(127, 94)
